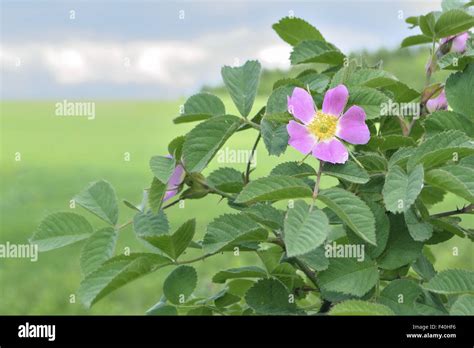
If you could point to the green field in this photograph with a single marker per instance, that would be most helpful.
(61, 155)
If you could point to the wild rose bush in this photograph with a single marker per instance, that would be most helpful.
(395, 151)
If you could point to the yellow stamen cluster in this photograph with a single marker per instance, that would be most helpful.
(323, 126)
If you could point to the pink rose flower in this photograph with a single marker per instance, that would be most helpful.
(459, 42)
(321, 130)
(437, 103)
(174, 182)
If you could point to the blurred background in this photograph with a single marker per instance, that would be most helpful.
(138, 61)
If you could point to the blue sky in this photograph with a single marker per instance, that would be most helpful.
(147, 50)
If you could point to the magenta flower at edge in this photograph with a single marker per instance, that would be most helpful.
(438, 103)
(458, 42)
(321, 130)
(174, 182)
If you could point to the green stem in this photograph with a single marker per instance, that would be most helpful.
(254, 148)
(200, 258)
(316, 185)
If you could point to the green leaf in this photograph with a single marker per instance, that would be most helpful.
(61, 229)
(315, 82)
(348, 171)
(241, 83)
(367, 98)
(278, 102)
(148, 226)
(226, 179)
(452, 282)
(304, 230)
(98, 248)
(174, 245)
(440, 148)
(156, 194)
(275, 136)
(358, 307)
(316, 259)
(416, 40)
(287, 274)
(294, 30)
(100, 199)
(203, 142)
(373, 162)
(441, 121)
(400, 295)
(352, 211)
(419, 230)
(457, 179)
(296, 169)
(175, 147)
(161, 308)
(117, 272)
(180, 284)
(229, 229)
(401, 189)
(427, 24)
(266, 215)
(315, 51)
(401, 249)
(162, 167)
(241, 272)
(424, 268)
(382, 228)
(390, 142)
(464, 305)
(273, 188)
(199, 107)
(453, 22)
(270, 297)
(459, 91)
(349, 276)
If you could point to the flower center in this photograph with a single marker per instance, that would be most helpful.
(323, 126)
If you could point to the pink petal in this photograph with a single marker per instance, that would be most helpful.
(332, 151)
(300, 138)
(459, 43)
(175, 180)
(301, 105)
(352, 127)
(335, 100)
(438, 103)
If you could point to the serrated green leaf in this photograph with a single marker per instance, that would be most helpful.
(440, 148)
(100, 199)
(241, 83)
(349, 276)
(457, 179)
(373, 162)
(270, 297)
(162, 308)
(464, 305)
(418, 229)
(358, 307)
(174, 245)
(203, 142)
(61, 229)
(416, 40)
(273, 188)
(229, 229)
(226, 179)
(296, 169)
(348, 171)
(148, 226)
(453, 22)
(266, 215)
(199, 107)
(315, 51)
(441, 121)
(275, 137)
(452, 282)
(304, 230)
(401, 189)
(352, 211)
(156, 193)
(423, 267)
(270, 257)
(401, 249)
(117, 272)
(294, 30)
(180, 284)
(162, 167)
(316, 259)
(241, 272)
(98, 248)
(278, 103)
(367, 98)
(400, 295)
